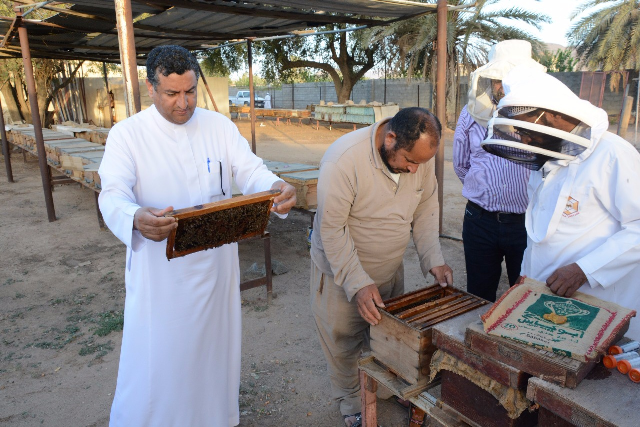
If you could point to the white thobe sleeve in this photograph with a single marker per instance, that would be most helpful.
(620, 253)
(117, 201)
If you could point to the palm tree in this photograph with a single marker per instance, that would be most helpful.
(470, 33)
(608, 37)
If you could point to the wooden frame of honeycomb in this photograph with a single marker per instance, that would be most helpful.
(215, 224)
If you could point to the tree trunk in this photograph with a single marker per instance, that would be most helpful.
(15, 114)
(20, 97)
(344, 93)
(43, 105)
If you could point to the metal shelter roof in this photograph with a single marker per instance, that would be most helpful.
(87, 30)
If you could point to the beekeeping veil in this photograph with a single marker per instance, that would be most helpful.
(503, 57)
(532, 144)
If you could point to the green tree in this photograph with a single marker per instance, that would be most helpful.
(343, 58)
(561, 60)
(607, 37)
(470, 33)
(47, 73)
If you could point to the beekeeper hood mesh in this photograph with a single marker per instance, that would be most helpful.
(503, 57)
(531, 143)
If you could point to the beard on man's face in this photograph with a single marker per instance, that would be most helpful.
(384, 155)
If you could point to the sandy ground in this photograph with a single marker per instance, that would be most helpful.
(62, 296)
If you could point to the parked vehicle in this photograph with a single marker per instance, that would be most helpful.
(243, 98)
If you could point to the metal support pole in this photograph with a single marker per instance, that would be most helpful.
(252, 96)
(441, 98)
(6, 149)
(106, 85)
(127, 44)
(266, 239)
(35, 117)
(637, 104)
(206, 85)
(385, 80)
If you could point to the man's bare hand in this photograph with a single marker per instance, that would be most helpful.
(152, 223)
(286, 199)
(367, 299)
(443, 275)
(566, 280)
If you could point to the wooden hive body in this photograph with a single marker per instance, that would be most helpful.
(403, 339)
(306, 184)
(212, 225)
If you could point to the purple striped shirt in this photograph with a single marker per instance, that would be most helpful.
(492, 182)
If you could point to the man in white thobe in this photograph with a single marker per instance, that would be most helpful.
(180, 359)
(583, 218)
(267, 101)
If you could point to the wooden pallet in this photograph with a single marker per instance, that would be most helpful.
(388, 378)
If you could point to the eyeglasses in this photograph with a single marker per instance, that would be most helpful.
(525, 132)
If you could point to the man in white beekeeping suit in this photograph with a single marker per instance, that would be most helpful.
(493, 229)
(583, 217)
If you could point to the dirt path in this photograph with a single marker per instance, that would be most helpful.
(62, 296)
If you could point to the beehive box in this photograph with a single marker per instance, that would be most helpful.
(98, 136)
(91, 173)
(215, 224)
(279, 168)
(402, 340)
(306, 184)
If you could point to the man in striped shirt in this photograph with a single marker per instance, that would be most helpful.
(493, 228)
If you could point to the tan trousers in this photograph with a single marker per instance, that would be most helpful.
(343, 333)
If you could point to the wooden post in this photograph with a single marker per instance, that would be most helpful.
(441, 111)
(252, 102)
(35, 117)
(128, 56)
(368, 389)
(6, 149)
(206, 85)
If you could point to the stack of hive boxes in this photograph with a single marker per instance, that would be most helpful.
(487, 380)
(79, 158)
(351, 113)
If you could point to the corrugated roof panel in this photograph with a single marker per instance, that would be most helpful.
(191, 27)
(352, 7)
(78, 23)
(236, 25)
(136, 7)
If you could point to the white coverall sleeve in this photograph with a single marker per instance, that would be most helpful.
(117, 201)
(620, 253)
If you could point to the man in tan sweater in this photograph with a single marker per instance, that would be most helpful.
(376, 185)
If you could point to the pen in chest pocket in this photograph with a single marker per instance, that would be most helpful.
(209, 170)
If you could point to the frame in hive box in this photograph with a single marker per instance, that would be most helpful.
(215, 224)
(402, 340)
